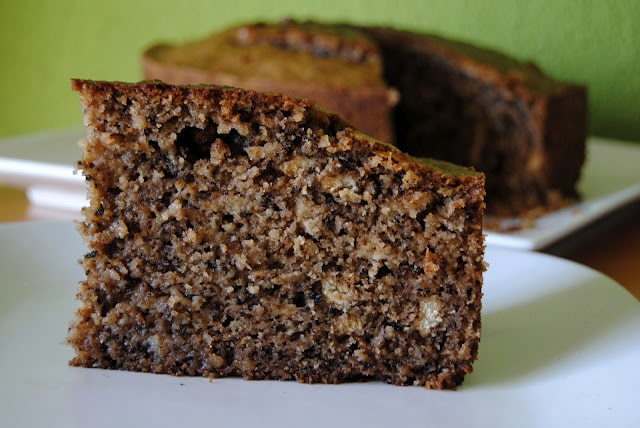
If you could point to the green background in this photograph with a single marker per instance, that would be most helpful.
(45, 43)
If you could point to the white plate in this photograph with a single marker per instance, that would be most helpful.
(560, 347)
(44, 165)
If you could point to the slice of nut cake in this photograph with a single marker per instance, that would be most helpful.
(238, 233)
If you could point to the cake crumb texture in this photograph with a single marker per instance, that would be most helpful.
(238, 233)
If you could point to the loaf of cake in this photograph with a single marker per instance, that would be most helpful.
(446, 99)
(255, 235)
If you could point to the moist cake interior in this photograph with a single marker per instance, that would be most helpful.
(236, 233)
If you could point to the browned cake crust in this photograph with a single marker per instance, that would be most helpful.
(458, 102)
(236, 233)
(338, 67)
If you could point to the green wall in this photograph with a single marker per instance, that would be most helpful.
(45, 43)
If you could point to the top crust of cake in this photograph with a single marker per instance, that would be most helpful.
(338, 67)
(485, 63)
(334, 57)
(237, 233)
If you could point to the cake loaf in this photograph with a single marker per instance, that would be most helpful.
(449, 100)
(238, 233)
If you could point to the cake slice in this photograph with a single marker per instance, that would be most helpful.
(238, 233)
